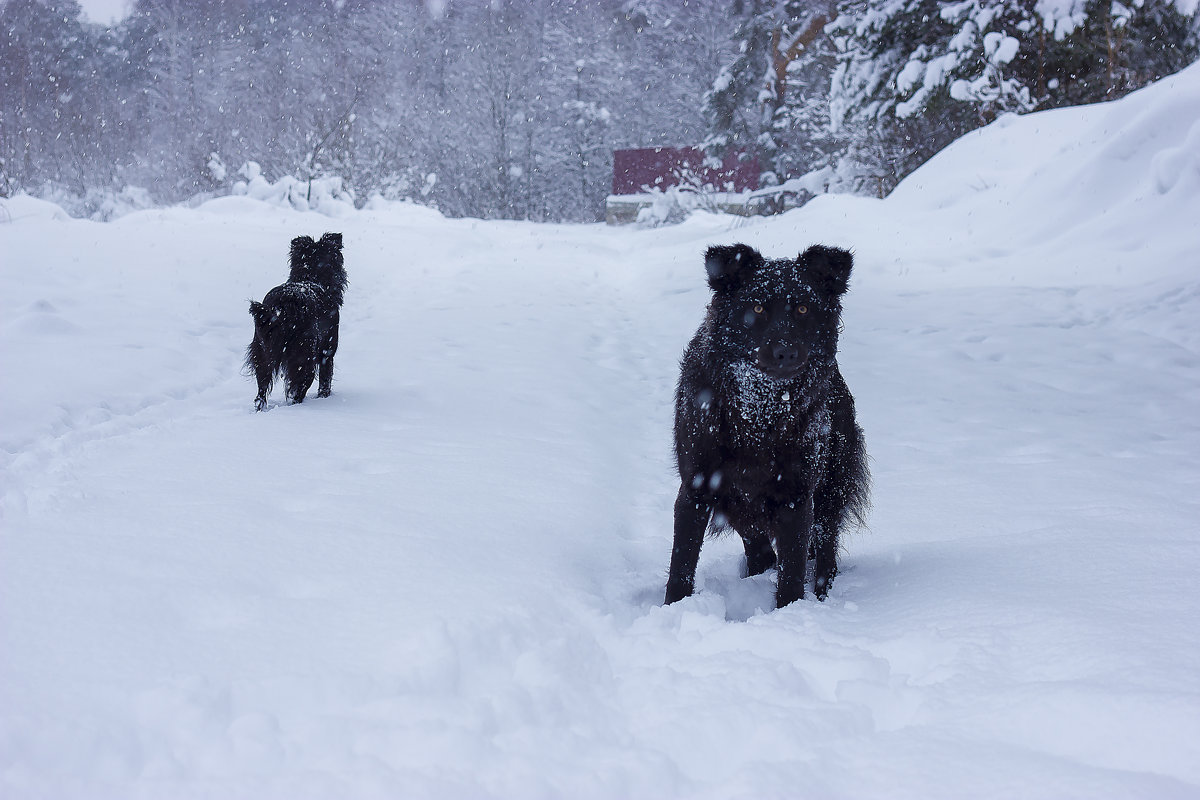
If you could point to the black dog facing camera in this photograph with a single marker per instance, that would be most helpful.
(296, 324)
(765, 433)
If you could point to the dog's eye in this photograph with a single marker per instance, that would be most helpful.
(758, 309)
(801, 309)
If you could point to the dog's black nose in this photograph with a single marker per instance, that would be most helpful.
(786, 357)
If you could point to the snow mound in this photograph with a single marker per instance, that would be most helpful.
(1054, 181)
(324, 195)
(23, 207)
(380, 207)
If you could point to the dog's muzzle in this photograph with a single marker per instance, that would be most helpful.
(782, 359)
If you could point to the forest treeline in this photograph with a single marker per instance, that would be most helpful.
(512, 108)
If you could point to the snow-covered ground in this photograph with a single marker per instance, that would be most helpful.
(445, 580)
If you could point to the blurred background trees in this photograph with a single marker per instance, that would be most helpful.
(512, 108)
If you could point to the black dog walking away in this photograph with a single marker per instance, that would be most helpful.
(296, 324)
(765, 433)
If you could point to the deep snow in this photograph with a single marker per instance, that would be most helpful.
(445, 580)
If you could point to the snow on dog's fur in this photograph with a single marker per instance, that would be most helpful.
(296, 324)
(765, 433)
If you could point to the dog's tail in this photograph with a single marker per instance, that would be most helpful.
(260, 314)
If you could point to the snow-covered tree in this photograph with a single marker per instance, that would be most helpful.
(902, 59)
(916, 74)
(772, 90)
(1091, 51)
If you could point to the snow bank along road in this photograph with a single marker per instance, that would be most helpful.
(444, 581)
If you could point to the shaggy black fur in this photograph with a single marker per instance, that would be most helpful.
(765, 433)
(296, 324)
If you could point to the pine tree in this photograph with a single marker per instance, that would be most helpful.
(916, 74)
(1112, 49)
(767, 103)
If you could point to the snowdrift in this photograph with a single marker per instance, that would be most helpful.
(445, 580)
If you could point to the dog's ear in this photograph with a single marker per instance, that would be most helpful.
(829, 267)
(334, 239)
(729, 264)
(302, 246)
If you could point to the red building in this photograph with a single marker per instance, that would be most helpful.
(647, 168)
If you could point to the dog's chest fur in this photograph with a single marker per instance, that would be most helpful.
(765, 437)
(775, 433)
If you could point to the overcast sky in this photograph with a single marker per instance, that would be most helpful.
(107, 11)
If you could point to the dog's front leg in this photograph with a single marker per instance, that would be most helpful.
(691, 521)
(325, 377)
(793, 527)
(325, 366)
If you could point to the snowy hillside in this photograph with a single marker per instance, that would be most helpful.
(445, 581)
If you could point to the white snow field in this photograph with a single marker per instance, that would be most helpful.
(446, 580)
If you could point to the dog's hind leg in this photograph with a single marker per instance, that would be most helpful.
(299, 379)
(760, 556)
(264, 389)
(300, 370)
(257, 360)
